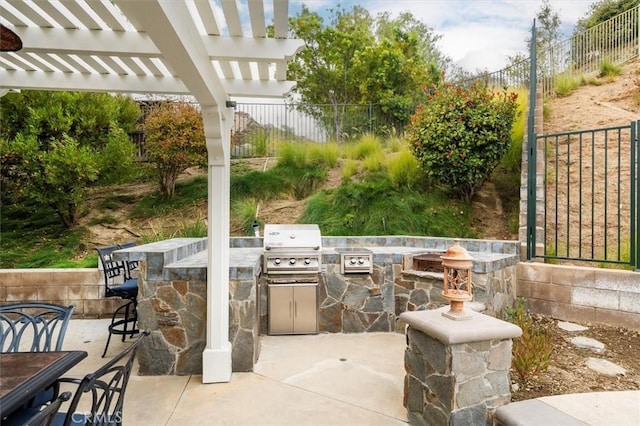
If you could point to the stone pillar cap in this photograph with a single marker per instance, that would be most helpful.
(479, 328)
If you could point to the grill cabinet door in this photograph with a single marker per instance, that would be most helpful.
(280, 309)
(305, 311)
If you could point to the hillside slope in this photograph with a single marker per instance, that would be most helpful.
(590, 106)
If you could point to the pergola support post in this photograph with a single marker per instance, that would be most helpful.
(216, 358)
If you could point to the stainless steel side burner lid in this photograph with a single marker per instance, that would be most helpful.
(355, 260)
(292, 249)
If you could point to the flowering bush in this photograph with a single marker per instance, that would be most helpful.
(174, 141)
(460, 134)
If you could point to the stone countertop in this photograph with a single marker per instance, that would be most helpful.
(250, 257)
(187, 258)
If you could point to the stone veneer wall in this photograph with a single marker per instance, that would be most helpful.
(457, 372)
(415, 290)
(581, 294)
(357, 303)
(172, 304)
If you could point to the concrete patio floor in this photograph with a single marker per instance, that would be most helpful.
(325, 379)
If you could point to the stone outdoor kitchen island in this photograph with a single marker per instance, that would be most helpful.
(172, 298)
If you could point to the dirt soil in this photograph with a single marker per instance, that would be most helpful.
(590, 106)
(568, 371)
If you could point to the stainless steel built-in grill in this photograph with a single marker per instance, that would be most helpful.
(292, 249)
(292, 264)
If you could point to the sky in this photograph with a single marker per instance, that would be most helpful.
(475, 34)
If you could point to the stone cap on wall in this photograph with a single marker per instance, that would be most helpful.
(479, 328)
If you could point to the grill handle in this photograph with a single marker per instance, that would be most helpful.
(314, 247)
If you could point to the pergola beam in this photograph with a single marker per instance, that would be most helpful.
(121, 43)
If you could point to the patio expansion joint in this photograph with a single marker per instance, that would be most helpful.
(182, 394)
(321, 395)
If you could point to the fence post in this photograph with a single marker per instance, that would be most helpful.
(531, 151)
(635, 194)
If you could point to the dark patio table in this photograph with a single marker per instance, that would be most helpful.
(24, 374)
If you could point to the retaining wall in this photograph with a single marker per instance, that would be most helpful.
(82, 287)
(581, 294)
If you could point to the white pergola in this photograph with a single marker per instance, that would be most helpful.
(167, 47)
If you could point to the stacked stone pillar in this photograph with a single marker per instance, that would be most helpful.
(457, 371)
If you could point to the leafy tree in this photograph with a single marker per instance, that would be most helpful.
(356, 59)
(394, 70)
(426, 39)
(460, 134)
(55, 144)
(324, 68)
(547, 36)
(98, 121)
(174, 141)
(602, 11)
(588, 47)
(56, 177)
(90, 118)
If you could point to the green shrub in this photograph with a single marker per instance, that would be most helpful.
(375, 206)
(243, 213)
(461, 133)
(174, 142)
(395, 144)
(59, 178)
(565, 84)
(368, 144)
(260, 185)
(403, 169)
(374, 162)
(349, 169)
(292, 155)
(609, 70)
(117, 159)
(512, 160)
(259, 139)
(302, 182)
(532, 351)
(326, 154)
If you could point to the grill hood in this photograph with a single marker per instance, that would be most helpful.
(292, 237)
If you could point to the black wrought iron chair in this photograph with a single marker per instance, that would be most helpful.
(46, 416)
(103, 389)
(119, 283)
(99, 396)
(33, 326)
(131, 265)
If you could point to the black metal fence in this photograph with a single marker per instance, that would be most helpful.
(615, 41)
(590, 194)
(259, 128)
